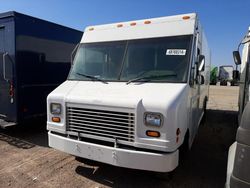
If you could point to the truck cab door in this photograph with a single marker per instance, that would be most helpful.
(195, 90)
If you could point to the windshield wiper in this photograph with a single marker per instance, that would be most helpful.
(92, 78)
(148, 78)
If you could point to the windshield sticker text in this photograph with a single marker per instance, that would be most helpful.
(176, 52)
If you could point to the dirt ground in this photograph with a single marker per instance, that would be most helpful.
(27, 161)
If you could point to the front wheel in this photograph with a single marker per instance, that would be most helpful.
(184, 150)
(204, 112)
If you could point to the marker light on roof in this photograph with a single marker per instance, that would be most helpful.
(186, 17)
(133, 24)
(91, 29)
(147, 22)
(119, 25)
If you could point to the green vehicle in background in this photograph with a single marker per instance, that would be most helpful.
(214, 76)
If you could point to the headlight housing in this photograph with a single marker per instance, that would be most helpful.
(55, 108)
(153, 119)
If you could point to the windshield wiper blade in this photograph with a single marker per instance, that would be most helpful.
(92, 77)
(144, 78)
(148, 78)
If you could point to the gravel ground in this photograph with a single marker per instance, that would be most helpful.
(27, 161)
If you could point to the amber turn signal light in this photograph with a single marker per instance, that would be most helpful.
(153, 134)
(56, 119)
(186, 17)
(147, 22)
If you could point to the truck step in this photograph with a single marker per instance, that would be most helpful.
(5, 124)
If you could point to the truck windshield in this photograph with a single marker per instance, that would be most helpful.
(153, 60)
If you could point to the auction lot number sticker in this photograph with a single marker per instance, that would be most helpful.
(176, 52)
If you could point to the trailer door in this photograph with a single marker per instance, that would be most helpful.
(7, 105)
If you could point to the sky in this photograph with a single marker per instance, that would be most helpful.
(225, 21)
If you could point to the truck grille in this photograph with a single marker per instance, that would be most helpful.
(101, 124)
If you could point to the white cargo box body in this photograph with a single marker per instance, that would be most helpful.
(226, 72)
(131, 122)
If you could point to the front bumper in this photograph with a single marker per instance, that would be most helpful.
(116, 156)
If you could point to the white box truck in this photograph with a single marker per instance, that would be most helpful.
(226, 75)
(135, 94)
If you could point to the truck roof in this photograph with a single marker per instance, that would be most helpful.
(147, 28)
(14, 13)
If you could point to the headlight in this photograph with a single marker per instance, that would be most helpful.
(55, 108)
(153, 119)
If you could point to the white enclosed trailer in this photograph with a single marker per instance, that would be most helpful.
(136, 93)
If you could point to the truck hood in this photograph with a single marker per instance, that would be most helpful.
(119, 94)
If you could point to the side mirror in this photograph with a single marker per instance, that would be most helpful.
(201, 63)
(73, 54)
(236, 75)
(7, 67)
(236, 56)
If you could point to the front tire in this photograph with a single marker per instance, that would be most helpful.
(205, 111)
(184, 150)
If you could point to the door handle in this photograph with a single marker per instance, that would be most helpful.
(4, 66)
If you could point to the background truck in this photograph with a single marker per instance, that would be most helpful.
(238, 171)
(34, 59)
(135, 95)
(226, 74)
